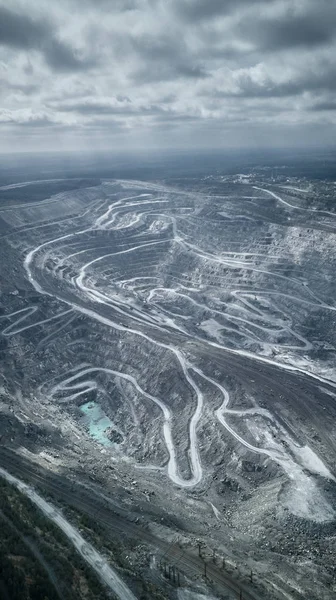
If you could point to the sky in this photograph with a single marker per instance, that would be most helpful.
(166, 74)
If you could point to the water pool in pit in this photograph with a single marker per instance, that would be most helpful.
(97, 423)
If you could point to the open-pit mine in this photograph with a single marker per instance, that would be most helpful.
(168, 370)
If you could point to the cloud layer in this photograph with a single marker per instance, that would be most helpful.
(166, 73)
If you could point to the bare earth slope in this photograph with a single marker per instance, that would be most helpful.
(176, 344)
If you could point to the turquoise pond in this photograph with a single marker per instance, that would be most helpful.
(96, 421)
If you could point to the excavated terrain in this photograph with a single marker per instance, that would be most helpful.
(170, 346)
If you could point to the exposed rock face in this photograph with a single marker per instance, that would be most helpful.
(182, 339)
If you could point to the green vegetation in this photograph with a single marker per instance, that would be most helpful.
(118, 553)
(37, 561)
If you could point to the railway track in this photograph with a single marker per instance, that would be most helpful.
(115, 520)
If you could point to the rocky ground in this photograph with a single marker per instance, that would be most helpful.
(170, 346)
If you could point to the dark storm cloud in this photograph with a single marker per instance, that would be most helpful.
(25, 119)
(199, 10)
(324, 106)
(38, 122)
(95, 107)
(111, 6)
(251, 89)
(62, 57)
(194, 67)
(21, 88)
(313, 26)
(165, 57)
(22, 32)
(166, 72)
(122, 108)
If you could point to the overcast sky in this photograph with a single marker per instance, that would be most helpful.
(129, 74)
